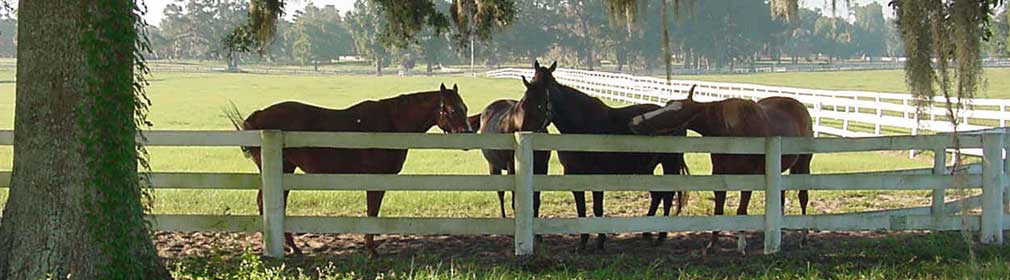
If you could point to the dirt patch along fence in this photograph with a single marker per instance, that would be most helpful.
(939, 216)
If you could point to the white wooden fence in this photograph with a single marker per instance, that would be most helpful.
(274, 222)
(840, 113)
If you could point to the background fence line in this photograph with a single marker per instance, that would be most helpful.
(835, 112)
(273, 223)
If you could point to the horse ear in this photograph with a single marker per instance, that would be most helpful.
(553, 66)
(455, 88)
(536, 64)
(690, 93)
(442, 87)
(525, 82)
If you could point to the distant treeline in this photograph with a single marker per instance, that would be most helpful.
(718, 34)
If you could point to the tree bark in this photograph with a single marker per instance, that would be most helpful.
(54, 223)
(378, 65)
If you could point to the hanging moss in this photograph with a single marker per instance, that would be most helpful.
(114, 112)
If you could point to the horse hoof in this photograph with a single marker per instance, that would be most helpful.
(647, 235)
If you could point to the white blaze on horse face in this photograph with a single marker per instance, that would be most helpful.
(672, 107)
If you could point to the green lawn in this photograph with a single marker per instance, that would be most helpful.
(194, 101)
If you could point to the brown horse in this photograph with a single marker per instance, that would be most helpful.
(772, 116)
(531, 113)
(578, 113)
(416, 112)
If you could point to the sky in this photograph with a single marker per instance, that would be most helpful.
(156, 8)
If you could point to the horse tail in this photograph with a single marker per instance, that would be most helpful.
(670, 161)
(682, 197)
(238, 122)
(474, 122)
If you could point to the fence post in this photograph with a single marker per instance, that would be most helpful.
(880, 114)
(992, 188)
(272, 172)
(773, 194)
(523, 195)
(1006, 174)
(939, 192)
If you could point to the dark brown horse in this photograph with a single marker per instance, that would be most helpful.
(578, 113)
(772, 116)
(531, 113)
(416, 112)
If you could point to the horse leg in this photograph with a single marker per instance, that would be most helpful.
(802, 166)
(720, 204)
(289, 238)
(741, 239)
(580, 210)
(512, 171)
(655, 198)
(667, 204)
(494, 170)
(374, 201)
(598, 212)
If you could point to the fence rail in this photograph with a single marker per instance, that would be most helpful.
(273, 223)
(840, 113)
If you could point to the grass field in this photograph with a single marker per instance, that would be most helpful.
(194, 101)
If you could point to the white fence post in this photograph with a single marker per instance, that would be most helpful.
(272, 172)
(1006, 174)
(992, 188)
(773, 194)
(939, 192)
(524, 235)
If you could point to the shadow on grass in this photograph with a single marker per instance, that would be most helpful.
(825, 255)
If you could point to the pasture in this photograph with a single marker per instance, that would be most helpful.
(194, 101)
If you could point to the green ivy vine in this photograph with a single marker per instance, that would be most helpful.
(113, 114)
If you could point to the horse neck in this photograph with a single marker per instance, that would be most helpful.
(577, 113)
(708, 121)
(416, 112)
(712, 121)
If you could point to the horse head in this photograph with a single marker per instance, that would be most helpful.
(535, 107)
(452, 116)
(676, 115)
(544, 75)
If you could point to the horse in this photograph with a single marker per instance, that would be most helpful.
(531, 113)
(575, 112)
(772, 116)
(414, 112)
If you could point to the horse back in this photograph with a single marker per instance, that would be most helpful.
(787, 117)
(297, 116)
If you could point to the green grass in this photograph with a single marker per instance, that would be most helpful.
(194, 101)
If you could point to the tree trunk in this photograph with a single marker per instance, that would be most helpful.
(74, 209)
(378, 65)
(586, 36)
(431, 67)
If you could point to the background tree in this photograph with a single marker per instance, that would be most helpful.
(320, 35)
(76, 206)
(870, 30)
(366, 22)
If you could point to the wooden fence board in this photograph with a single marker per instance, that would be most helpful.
(361, 140)
(203, 138)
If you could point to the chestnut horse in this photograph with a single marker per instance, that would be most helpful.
(531, 113)
(416, 112)
(578, 113)
(772, 116)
